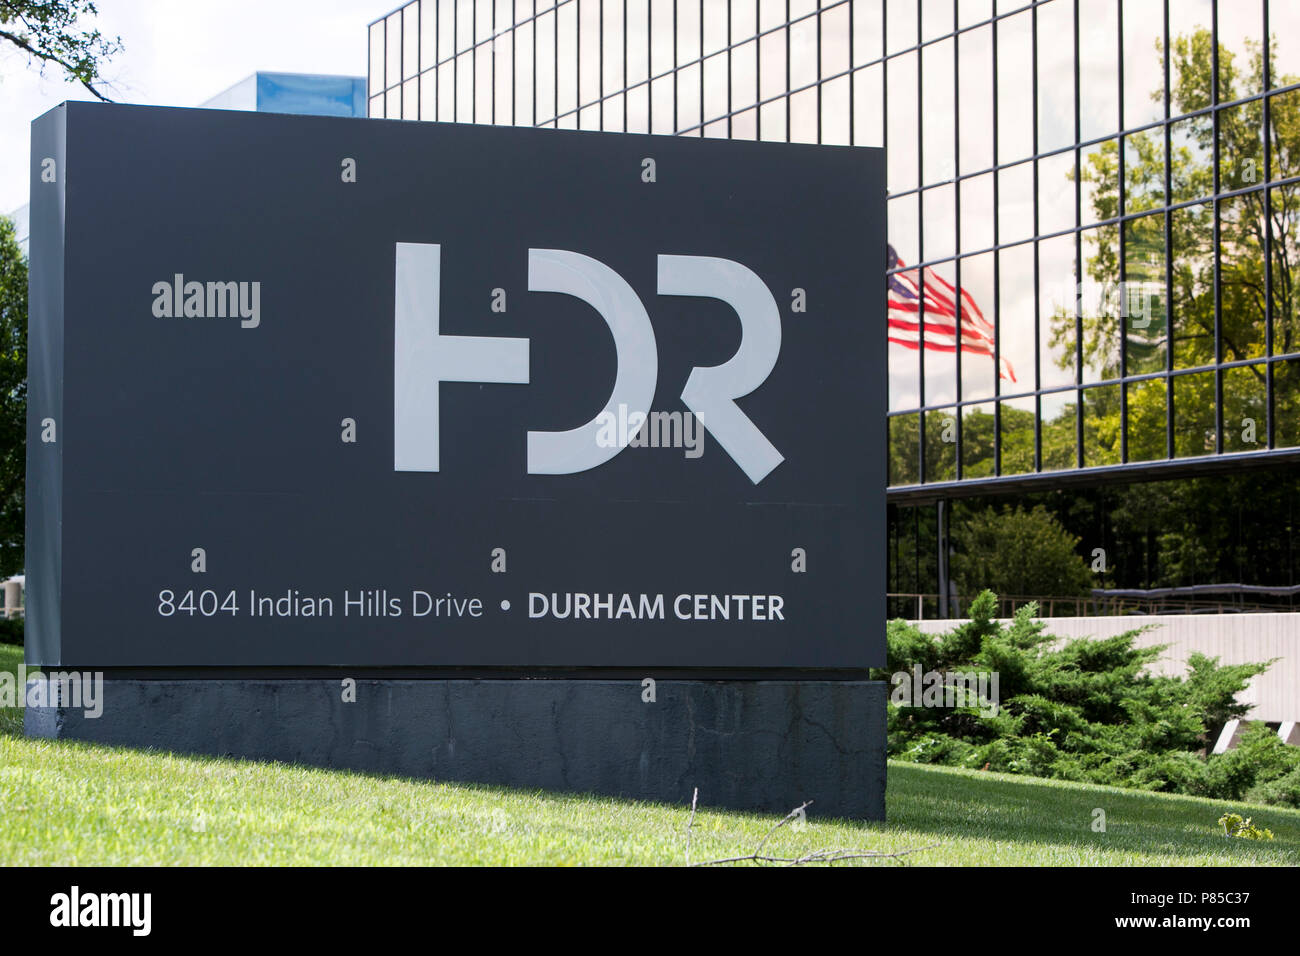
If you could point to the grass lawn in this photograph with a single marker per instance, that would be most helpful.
(76, 804)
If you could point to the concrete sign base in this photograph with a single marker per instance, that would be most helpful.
(749, 745)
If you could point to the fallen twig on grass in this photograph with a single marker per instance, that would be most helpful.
(816, 856)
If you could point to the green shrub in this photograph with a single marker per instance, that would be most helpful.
(1283, 792)
(11, 630)
(1086, 710)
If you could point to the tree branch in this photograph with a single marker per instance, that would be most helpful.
(71, 69)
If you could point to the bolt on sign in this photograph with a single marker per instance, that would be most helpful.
(332, 392)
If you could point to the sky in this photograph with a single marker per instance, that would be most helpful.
(180, 54)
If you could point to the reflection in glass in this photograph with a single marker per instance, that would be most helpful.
(715, 86)
(411, 100)
(1241, 276)
(1144, 172)
(1101, 304)
(1148, 407)
(975, 118)
(410, 40)
(688, 97)
(977, 431)
(1284, 27)
(1144, 77)
(977, 213)
(868, 91)
(835, 41)
(1194, 426)
(978, 372)
(900, 25)
(939, 330)
(1098, 69)
(803, 53)
(1059, 296)
(744, 75)
(1015, 103)
(904, 449)
(1099, 182)
(938, 135)
(803, 116)
(1285, 223)
(941, 445)
(939, 216)
(393, 62)
(1101, 426)
(900, 152)
(1017, 436)
(1058, 431)
(1056, 193)
(1055, 76)
(376, 59)
(1192, 295)
(1142, 298)
(1286, 404)
(867, 19)
(1241, 35)
(1017, 343)
(835, 112)
(1241, 146)
(1244, 408)
(1016, 203)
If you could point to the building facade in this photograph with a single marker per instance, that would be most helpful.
(1093, 204)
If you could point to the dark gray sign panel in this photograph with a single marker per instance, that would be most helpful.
(316, 392)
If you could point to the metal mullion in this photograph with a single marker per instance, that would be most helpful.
(702, 121)
(758, 75)
(997, 289)
(920, 233)
(1169, 251)
(555, 46)
(819, 74)
(853, 132)
(1123, 244)
(1218, 253)
(787, 70)
(492, 51)
(1078, 259)
(534, 19)
(577, 77)
(1268, 240)
(626, 89)
(649, 65)
(730, 104)
(956, 153)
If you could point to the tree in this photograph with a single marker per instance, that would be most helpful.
(1018, 553)
(13, 398)
(1131, 311)
(48, 31)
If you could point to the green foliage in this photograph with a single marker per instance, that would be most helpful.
(1082, 710)
(11, 630)
(13, 398)
(1234, 825)
(48, 31)
(1018, 552)
(1284, 791)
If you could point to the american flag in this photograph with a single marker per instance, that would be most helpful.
(907, 289)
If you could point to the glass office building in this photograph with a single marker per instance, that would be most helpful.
(1093, 205)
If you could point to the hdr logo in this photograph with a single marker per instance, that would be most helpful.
(423, 357)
